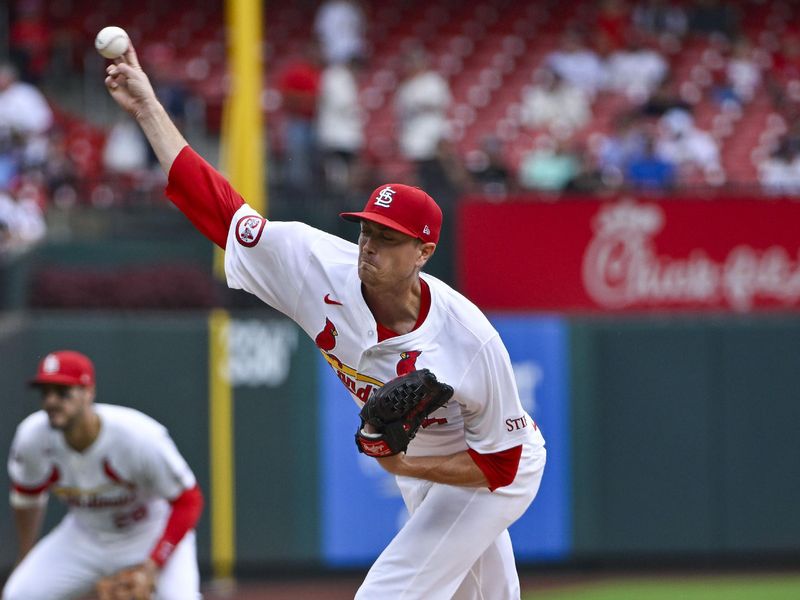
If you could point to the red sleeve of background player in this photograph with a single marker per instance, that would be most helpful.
(500, 468)
(186, 510)
(203, 195)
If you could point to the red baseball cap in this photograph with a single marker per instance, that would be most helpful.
(64, 367)
(403, 208)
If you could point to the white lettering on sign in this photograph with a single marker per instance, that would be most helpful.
(622, 268)
(260, 352)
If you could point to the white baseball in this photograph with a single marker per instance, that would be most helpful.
(111, 42)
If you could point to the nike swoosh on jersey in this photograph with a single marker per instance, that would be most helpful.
(329, 300)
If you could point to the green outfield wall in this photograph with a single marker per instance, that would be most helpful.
(684, 429)
(685, 436)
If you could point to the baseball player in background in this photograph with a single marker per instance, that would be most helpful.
(132, 500)
(476, 464)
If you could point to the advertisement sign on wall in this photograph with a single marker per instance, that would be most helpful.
(361, 504)
(681, 254)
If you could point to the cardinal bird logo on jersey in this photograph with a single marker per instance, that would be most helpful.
(407, 362)
(326, 339)
(114, 476)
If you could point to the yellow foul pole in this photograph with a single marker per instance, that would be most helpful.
(242, 158)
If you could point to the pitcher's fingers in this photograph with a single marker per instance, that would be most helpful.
(131, 57)
(126, 70)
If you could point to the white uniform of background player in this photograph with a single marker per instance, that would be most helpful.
(455, 543)
(116, 491)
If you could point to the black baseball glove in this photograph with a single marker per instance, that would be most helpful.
(397, 410)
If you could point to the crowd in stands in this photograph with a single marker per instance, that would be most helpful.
(644, 95)
(25, 118)
(613, 104)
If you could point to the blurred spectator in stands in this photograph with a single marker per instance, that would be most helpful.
(555, 103)
(22, 223)
(659, 18)
(780, 172)
(422, 103)
(713, 16)
(612, 21)
(578, 64)
(340, 123)
(174, 95)
(650, 171)
(10, 161)
(589, 177)
(792, 136)
(549, 166)
(448, 176)
(299, 87)
(636, 70)
(125, 150)
(616, 151)
(23, 108)
(489, 170)
(742, 73)
(681, 143)
(664, 99)
(340, 28)
(785, 70)
(30, 39)
(25, 117)
(60, 171)
(172, 92)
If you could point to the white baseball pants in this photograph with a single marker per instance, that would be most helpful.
(68, 561)
(455, 544)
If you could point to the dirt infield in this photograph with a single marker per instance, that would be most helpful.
(344, 587)
(334, 588)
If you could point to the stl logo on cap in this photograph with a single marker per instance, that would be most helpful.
(51, 364)
(385, 197)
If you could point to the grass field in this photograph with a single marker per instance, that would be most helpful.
(551, 586)
(776, 587)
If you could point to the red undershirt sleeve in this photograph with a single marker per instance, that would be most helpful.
(203, 195)
(186, 510)
(500, 468)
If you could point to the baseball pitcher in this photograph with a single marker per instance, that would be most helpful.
(439, 403)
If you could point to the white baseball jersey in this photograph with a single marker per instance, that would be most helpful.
(455, 545)
(312, 277)
(122, 482)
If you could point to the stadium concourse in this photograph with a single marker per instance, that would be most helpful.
(490, 52)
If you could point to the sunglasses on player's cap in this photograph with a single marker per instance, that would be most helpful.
(403, 208)
(64, 367)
